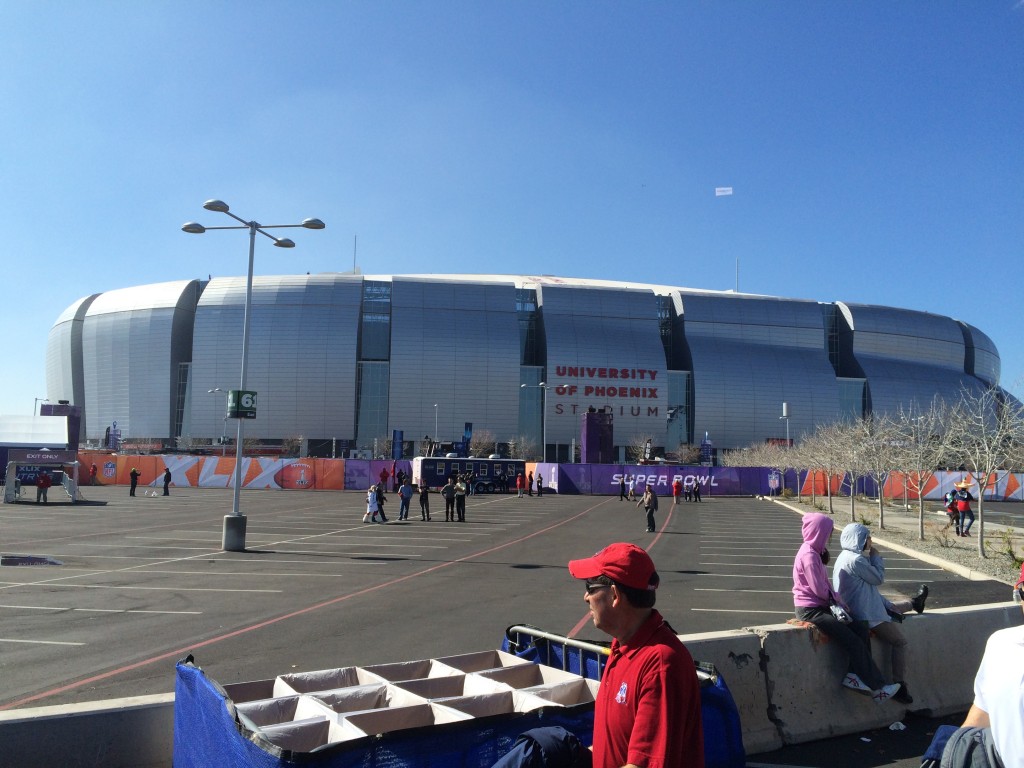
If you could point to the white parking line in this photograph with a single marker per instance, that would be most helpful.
(36, 642)
(738, 610)
(98, 610)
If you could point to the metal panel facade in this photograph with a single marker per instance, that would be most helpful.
(908, 357)
(455, 344)
(302, 355)
(128, 344)
(751, 355)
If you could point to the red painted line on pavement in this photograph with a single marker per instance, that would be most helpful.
(181, 652)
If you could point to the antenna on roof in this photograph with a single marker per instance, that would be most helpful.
(737, 274)
(355, 244)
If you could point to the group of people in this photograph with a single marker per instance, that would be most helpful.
(525, 484)
(689, 489)
(958, 507)
(850, 606)
(454, 493)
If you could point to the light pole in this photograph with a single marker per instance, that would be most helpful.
(544, 419)
(234, 524)
(224, 428)
(435, 422)
(785, 416)
(35, 405)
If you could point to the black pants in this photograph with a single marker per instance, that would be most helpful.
(460, 508)
(852, 637)
(131, 491)
(167, 489)
(424, 507)
(650, 518)
(449, 509)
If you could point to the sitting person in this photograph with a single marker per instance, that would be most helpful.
(856, 576)
(813, 597)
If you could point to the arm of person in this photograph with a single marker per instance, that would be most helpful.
(870, 570)
(976, 718)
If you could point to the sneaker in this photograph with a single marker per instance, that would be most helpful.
(918, 600)
(903, 695)
(885, 693)
(854, 683)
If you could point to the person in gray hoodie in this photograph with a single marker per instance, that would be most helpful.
(858, 572)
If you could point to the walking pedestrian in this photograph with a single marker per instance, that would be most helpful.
(520, 484)
(167, 481)
(381, 500)
(688, 488)
(622, 487)
(677, 490)
(963, 506)
(650, 503)
(696, 489)
(540, 485)
(370, 516)
(529, 483)
(92, 475)
(134, 479)
(632, 488)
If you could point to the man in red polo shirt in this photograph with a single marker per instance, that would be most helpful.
(647, 713)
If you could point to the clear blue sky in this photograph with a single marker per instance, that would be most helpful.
(875, 148)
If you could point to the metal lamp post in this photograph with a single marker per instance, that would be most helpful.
(544, 418)
(224, 427)
(435, 422)
(234, 524)
(35, 405)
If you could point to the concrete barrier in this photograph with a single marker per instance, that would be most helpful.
(784, 678)
(737, 655)
(136, 732)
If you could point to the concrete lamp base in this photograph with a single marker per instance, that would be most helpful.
(234, 533)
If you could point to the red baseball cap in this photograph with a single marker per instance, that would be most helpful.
(621, 562)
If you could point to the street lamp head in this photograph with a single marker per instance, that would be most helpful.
(216, 389)
(313, 224)
(218, 206)
(283, 242)
(193, 228)
(540, 384)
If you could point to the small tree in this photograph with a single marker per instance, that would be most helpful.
(986, 431)
(923, 444)
(636, 448)
(688, 454)
(291, 446)
(522, 447)
(482, 443)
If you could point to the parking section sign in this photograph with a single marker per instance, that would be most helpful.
(241, 404)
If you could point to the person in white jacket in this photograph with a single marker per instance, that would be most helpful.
(858, 572)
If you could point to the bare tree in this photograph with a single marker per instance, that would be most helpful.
(291, 446)
(522, 447)
(922, 445)
(824, 452)
(687, 454)
(877, 446)
(482, 443)
(636, 448)
(986, 430)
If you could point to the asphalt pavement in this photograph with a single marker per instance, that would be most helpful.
(142, 581)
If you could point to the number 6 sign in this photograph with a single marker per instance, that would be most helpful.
(241, 404)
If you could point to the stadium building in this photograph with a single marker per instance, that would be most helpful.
(342, 360)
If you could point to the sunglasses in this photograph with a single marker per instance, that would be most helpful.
(592, 586)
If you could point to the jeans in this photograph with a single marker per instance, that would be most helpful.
(403, 509)
(966, 515)
(650, 518)
(852, 637)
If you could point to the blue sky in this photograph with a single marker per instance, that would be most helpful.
(875, 148)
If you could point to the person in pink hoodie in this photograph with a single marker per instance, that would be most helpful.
(813, 597)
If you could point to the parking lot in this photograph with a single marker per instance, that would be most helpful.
(143, 581)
